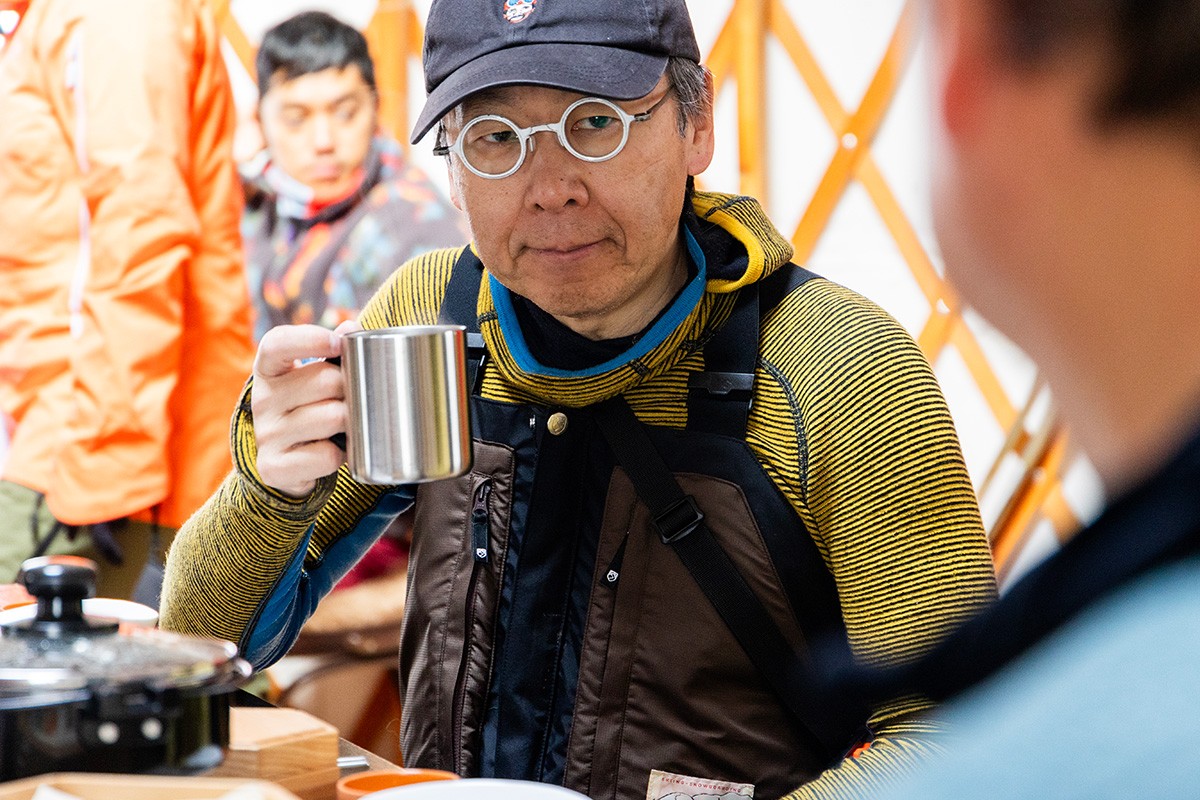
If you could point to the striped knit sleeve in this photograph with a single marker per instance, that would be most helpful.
(249, 543)
(226, 557)
(873, 466)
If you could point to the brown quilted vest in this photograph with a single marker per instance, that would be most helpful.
(662, 683)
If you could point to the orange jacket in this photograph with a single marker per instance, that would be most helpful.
(124, 318)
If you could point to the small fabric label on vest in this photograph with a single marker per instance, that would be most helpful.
(669, 786)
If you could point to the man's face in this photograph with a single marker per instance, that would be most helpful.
(318, 128)
(1036, 209)
(597, 245)
(1016, 168)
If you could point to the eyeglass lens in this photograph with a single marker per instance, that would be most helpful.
(593, 130)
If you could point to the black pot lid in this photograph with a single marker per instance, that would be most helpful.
(61, 650)
(128, 655)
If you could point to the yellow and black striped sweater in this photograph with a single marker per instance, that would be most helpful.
(847, 421)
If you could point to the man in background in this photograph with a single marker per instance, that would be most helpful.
(124, 322)
(333, 206)
(1068, 207)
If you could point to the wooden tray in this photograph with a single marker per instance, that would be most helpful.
(102, 786)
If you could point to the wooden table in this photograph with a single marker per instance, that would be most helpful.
(348, 750)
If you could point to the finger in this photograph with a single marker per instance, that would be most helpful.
(294, 451)
(316, 422)
(283, 346)
(317, 382)
(347, 326)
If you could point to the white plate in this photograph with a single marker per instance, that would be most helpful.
(477, 789)
(107, 607)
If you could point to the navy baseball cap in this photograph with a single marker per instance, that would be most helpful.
(610, 48)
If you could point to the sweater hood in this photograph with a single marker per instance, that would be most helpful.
(742, 244)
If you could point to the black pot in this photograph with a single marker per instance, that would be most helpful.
(86, 694)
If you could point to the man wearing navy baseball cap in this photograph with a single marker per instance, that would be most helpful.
(691, 457)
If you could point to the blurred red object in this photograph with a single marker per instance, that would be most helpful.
(11, 12)
(389, 554)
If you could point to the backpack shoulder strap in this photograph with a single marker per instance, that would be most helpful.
(780, 283)
(719, 396)
(459, 305)
(680, 524)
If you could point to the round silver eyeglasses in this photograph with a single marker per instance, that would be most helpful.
(591, 129)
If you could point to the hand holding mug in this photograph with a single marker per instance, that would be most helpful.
(298, 402)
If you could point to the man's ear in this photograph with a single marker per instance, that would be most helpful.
(452, 178)
(249, 137)
(257, 118)
(702, 141)
(963, 52)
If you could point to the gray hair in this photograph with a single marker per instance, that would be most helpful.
(689, 81)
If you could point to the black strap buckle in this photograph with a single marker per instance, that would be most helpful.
(722, 384)
(680, 519)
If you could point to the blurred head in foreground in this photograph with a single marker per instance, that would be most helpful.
(1067, 201)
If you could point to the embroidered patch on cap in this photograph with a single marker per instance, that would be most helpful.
(669, 786)
(517, 10)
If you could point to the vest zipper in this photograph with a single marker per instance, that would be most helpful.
(613, 573)
(480, 530)
(479, 521)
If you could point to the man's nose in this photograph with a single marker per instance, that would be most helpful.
(555, 176)
(322, 132)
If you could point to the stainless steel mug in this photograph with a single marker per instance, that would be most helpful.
(406, 389)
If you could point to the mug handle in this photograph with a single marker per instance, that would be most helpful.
(338, 438)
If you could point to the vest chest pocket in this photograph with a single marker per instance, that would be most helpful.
(662, 680)
(460, 544)
(475, 664)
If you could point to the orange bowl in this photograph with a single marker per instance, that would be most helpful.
(361, 784)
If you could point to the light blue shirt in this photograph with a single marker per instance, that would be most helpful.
(1108, 707)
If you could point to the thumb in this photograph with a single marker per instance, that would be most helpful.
(347, 326)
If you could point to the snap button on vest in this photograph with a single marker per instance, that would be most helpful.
(557, 423)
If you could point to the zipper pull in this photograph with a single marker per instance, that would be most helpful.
(614, 567)
(479, 520)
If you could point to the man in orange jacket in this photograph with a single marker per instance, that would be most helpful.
(124, 317)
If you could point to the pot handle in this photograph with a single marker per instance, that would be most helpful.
(60, 584)
(229, 676)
